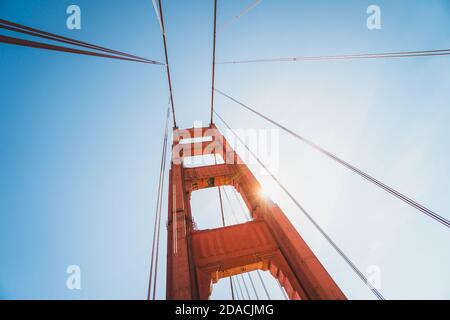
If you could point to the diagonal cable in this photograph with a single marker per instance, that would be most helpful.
(12, 26)
(308, 216)
(213, 61)
(155, 7)
(169, 79)
(361, 173)
(40, 45)
(384, 55)
(243, 12)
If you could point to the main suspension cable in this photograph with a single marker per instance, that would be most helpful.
(213, 62)
(308, 216)
(12, 26)
(385, 55)
(366, 176)
(155, 7)
(46, 46)
(243, 12)
(161, 16)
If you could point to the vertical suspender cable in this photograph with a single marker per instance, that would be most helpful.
(253, 286)
(233, 297)
(264, 285)
(157, 223)
(213, 62)
(282, 291)
(236, 292)
(240, 288)
(245, 286)
(160, 213)
(237, 221)
(223, 224)
(247, 218)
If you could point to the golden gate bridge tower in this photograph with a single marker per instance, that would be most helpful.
(198, 258)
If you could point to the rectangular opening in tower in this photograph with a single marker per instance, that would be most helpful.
(203, 160)
(206, 212)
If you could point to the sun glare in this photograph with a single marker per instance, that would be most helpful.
(269, 189)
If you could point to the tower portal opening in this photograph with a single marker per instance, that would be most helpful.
(254, 285)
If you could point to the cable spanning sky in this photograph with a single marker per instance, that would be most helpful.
(80, 137)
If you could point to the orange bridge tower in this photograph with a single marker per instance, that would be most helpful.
(198, 258)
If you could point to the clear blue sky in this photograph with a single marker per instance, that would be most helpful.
(80, 137)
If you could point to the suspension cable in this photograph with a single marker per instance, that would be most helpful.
(213, 62)
(223, 223)
(310, 218)
(248, 218)
(282, 291)
(221, 207)
(240, 288)
(40, 45)
(158, 212)
(401, 54)
(237, 221)
(264, 285)
(366, 176)
(235, 291)
(8, 25)
(161, 16)
(155, 7)
(232, 289)
(253, 286)
(159, 224)
(243, 12)
(245, 286)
